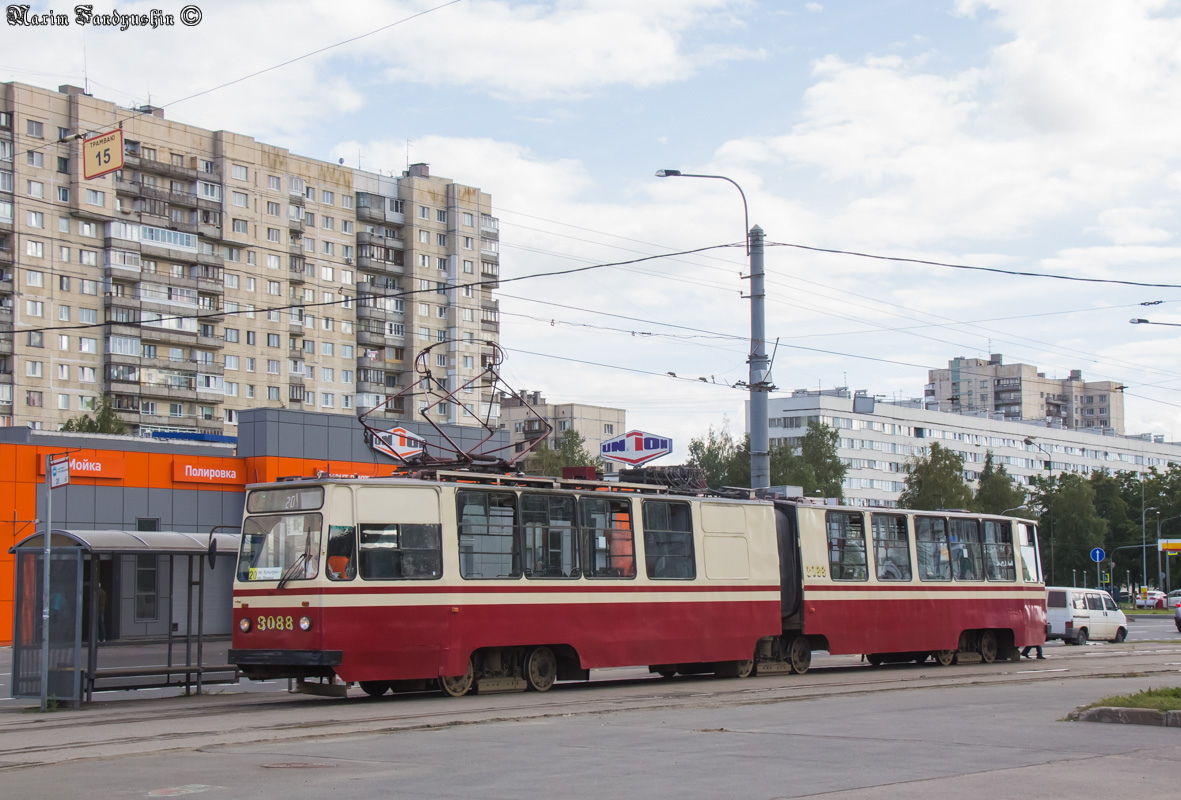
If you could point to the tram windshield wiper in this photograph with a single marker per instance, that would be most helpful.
(296, 567)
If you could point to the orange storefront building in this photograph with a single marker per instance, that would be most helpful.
(136, 484)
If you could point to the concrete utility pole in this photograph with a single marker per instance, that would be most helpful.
(759, 384)
(760, 366)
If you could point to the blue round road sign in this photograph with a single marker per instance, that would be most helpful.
(1098, 555)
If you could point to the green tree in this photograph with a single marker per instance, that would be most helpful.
(1077, 527)
(996, 492)
(569, 450)
(724, 461)
(819, 451)
(936, 481)
(105, 420)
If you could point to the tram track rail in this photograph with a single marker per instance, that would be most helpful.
(142, 727)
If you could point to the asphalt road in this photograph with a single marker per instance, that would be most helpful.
(850, 731)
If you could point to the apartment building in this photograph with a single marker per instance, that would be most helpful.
(215, 273)
(595, 424)
(877, 438)
(1020, 392)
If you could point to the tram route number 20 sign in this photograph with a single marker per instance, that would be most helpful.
(102, 154)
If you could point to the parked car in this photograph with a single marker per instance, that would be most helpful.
(1077, 615)
(1153, 599)
(1174, 598)
(1177, 618)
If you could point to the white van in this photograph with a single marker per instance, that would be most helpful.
(1076, 615)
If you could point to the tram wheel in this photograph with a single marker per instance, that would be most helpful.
(944, 658)
(744, 669)
(459, 685)
(541, 669)
(875, 659)
(375, 688)
(988, 648)
(799, 655)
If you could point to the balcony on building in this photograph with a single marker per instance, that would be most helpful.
(126, 186)
(299, 269)
(370, 207)
(186, 171)
(295, 322)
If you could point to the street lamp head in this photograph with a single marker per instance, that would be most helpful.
(1029, 440)
(1133, 321)
(668, 173)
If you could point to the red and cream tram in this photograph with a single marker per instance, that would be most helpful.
(504, 583)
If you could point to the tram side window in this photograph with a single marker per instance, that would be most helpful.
(1030, 569)
(342, 556)
(891, 547)
(998, 551)
(846, 545)
(966, 549)
(487, 540)
(668, 540)
(551, 549)
(400, 551)
(930, 535)
(608, 545)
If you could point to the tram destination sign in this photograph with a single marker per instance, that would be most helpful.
(636, 448)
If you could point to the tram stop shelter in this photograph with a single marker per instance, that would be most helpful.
(79, 607)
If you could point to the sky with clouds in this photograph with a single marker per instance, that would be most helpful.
(1034, 137)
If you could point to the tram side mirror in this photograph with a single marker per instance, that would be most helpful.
(212, 551)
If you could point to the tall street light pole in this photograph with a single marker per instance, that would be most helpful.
(759, 384)
(1144, 542)
(1049, 466)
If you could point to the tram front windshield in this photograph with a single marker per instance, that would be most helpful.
(281, 547)
(278, 547)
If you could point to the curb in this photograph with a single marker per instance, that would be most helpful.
(1130, 716)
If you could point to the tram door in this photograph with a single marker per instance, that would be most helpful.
(791, 585)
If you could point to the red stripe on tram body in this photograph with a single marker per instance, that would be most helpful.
(407, 642)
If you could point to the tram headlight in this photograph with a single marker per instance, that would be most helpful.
(244, 625)
(305, 623)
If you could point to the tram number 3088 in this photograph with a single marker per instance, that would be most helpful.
(815, 571)
(276, 624)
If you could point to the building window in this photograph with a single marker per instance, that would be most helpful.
(95, 198)
(239, 172)
(146, 577)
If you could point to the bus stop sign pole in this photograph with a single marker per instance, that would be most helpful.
(57, 473)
